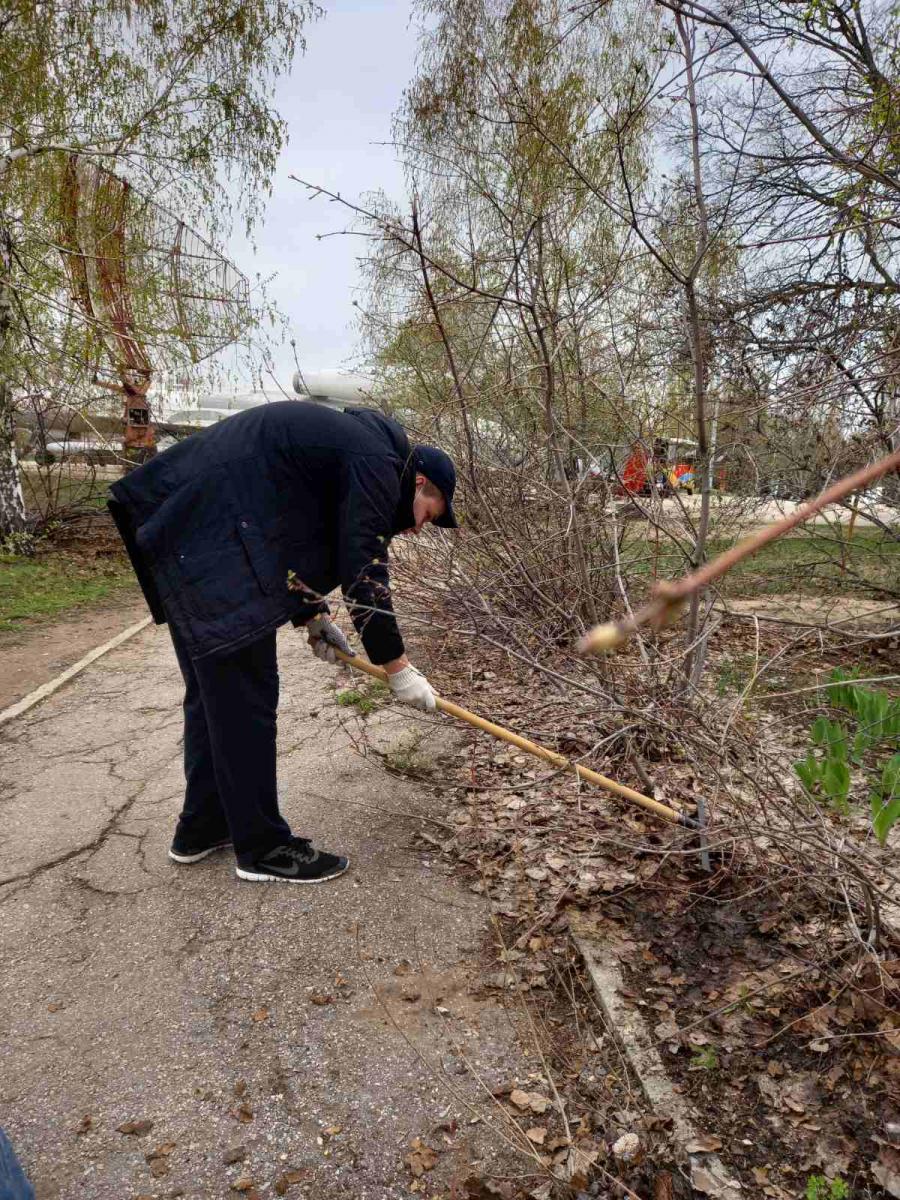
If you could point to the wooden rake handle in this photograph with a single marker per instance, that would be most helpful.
(550, 756)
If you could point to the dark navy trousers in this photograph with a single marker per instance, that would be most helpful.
(13, 1184)
(230, 707)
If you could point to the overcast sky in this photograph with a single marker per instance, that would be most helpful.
(338, 105)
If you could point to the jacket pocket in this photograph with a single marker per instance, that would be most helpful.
(259, 553)
(223, 575)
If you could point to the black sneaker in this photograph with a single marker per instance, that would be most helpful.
(295, 862)
(184, 851)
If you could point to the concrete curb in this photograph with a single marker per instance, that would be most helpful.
(47, 689)
(709, 1175)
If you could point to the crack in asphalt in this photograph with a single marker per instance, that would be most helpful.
(95, 844)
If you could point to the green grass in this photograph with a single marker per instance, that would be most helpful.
(804, 563)
(34, 589)
(364, 702)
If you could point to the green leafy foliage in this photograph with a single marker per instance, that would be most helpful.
(818, 1187)
(877, 712)
(704, 1060)
(827, 773)
(827, 770)
(123, 129)
(885, 800)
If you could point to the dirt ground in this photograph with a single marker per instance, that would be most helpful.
(169, 1031)
(42, 650)
(855, 611)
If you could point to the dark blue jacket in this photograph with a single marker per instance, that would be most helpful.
(215, 525)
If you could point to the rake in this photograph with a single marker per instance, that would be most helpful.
(542, 752)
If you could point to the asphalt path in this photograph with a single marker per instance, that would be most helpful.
(157, 1021)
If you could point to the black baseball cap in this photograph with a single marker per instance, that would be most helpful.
(438, 467)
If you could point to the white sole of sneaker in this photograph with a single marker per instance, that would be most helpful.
(192, 858)
(254, 877)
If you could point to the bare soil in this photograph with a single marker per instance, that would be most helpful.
(818, 610)
(43, 647)
(42, 650)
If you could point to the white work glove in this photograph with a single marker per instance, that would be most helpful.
(411, 687)
(325, 637)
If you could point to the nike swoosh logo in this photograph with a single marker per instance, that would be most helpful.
(289, 872)
(293, 871)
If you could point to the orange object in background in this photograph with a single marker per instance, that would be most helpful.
(634, 475)
(682, 475)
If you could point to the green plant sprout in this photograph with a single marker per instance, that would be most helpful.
(704, 1060)
(351, 698)
(826, 771)
(820, 1188)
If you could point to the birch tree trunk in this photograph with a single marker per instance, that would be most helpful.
(12, 501)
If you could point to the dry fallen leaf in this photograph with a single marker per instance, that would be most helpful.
(536, 1134)
(769, 1089)
(702, 1181)
(135, 1128)
(261, 1014)
(579, 1163)
(503, 1089)
(283, 1182)
(666, 1031)
(887, 1170)
(243, 1113)
(163, 1150)
(477, 1188)
(664, 1186)
(704, 1144)
(421, 1158)
(532, 1101)
(158, 1165)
